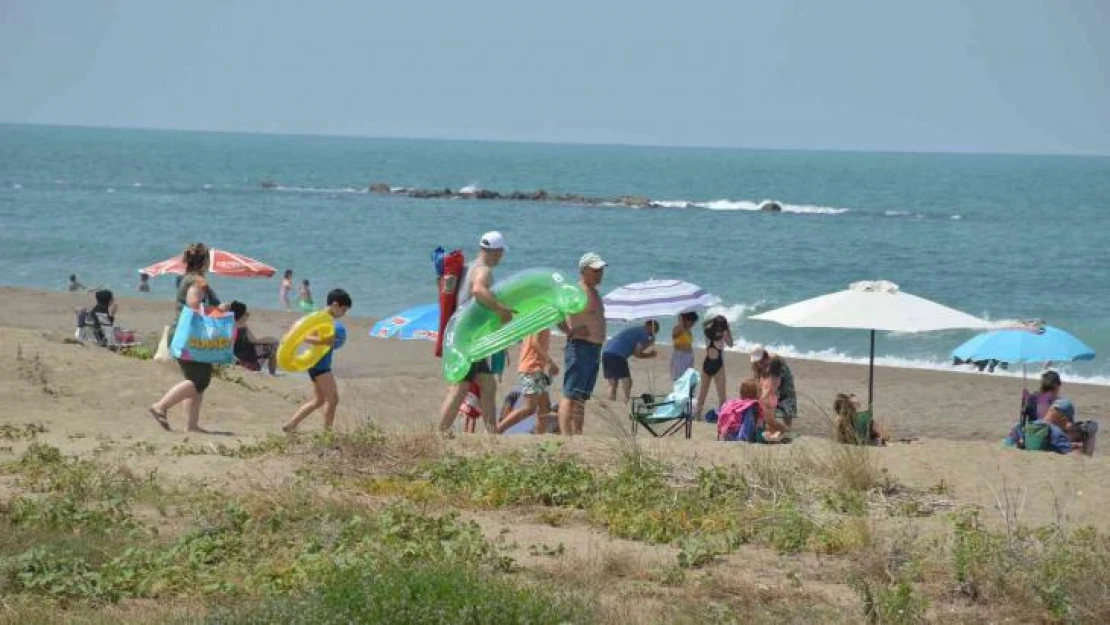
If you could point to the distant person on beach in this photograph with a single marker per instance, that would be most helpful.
(582, 354)
(325, 391)
(285, 288)
(1037, 404)
(534, 376)
(74, 284)
(682, 344)
(846, 407)
(144, 283)
(250, 351)
(476, 285)
(718, 336)
(193, 292)
(772, 370)
(304, 297)
(628, 343)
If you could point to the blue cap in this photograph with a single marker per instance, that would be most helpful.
(1064, 407)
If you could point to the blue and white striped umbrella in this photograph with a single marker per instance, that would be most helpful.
(656, 298)
(420, 323)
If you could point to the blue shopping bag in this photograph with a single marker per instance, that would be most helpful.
(204, 336)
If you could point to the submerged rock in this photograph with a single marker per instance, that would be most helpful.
(380, 187)
(770, 206)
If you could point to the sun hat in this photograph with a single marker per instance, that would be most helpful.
(492, 240)
(591, 260)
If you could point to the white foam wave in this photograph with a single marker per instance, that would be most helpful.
(747, 205)
(137, 184)
(320, 190)
(956, 217)
(470, 188)
(17, 186)
(109, 190)
(735, 312)
(898, 213)
(832, 355)
(207, 186)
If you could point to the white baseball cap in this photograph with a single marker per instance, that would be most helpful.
(758, 352)
(591, 260)
(492, 240)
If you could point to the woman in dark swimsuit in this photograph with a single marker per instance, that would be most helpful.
(718, 336)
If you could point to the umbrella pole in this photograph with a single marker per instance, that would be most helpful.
(871, 374)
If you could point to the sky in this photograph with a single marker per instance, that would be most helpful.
(1022, 76)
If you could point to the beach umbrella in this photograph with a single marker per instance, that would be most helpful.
(220, 262)
(1025, 344)
(655, 298)
(419, 322)
(873, 305)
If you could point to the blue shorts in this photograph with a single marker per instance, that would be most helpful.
(613, 367)
(581, 361)
(315, 373)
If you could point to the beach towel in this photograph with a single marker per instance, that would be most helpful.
(204, 336)
(677, 402)
(738, 420)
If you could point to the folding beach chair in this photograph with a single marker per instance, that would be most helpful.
(100, 328)
(663, 415)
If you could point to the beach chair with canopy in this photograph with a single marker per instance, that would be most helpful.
(664, 415)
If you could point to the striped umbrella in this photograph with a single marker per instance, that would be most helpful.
(656, 298)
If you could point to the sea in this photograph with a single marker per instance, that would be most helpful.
(1006, 237)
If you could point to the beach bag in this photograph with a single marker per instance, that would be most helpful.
(1037, 436)
(162, 354)
(204, 336)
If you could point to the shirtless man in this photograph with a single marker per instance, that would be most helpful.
(479, 279)
(582, 357)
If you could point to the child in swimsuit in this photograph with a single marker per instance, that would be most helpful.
(286, 286)
(305, 297)
(325, 391)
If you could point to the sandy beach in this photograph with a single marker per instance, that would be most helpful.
(955, 420)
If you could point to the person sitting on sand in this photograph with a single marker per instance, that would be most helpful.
(630, 342)
(773, 369)
(1037, 404)
(846, 407)
(249, 350)
(1056, 419)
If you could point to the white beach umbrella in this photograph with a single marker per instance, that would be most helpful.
(655, 298)
(873, 305)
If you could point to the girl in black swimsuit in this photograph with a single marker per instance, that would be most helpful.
(717, 337)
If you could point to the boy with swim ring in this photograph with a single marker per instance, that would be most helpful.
(325, 391)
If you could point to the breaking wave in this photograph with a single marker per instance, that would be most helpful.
(748, 205)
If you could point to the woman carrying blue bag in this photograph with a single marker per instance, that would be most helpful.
(198, 340)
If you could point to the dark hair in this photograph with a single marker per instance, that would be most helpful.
(103, 297)
(846, 418)
(239, 309)
(73, 277)
(144, 276)
(339, 296)
(691, 317)
(652, 325)
(715, 327)
(288, 273)
(305, 282)
(1050, 381)
(195, 258)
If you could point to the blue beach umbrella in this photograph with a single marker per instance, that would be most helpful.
(1025, 345)
(419, 322)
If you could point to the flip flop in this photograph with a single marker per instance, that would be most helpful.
(160, 418)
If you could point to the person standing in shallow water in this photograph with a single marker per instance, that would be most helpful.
(285, 288)
(192, 291)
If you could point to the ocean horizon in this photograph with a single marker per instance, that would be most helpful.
(1004, 236)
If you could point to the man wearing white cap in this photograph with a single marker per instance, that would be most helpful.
(772, 369)
(476, 285)
(582, 356)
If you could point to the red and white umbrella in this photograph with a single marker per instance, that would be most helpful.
(220, 262)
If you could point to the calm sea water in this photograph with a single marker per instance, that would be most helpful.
(1007, 237)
